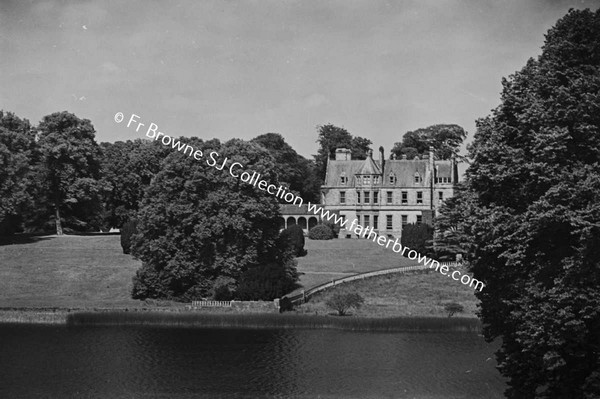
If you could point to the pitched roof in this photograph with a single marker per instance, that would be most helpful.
(369, 167)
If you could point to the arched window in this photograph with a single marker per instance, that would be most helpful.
(417, 177)
(392, 178)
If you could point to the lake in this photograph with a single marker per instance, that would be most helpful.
(44, 361)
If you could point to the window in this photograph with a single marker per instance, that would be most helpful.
(358, 197)
(375, 222)
(365, 180)
(419, 197)
(375, 179)
(392, 178)
(342, 197)
(441, 195)
(405, 197)
(343, 219)
(389, 197)
(388, 222)
(419, 219)
(404, 220)
(367, 220)
(375, 197)
(343, 179)
(417, 177)
(367, 197)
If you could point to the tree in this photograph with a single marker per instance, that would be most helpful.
(320, 232)
(69, 173)
(332, 137)
(452, 308)
(198, 225)
(342, 302)
(128, 168)
(268, 281)
(532, 217)
(17, 154)
(445, 139)
(293, 170)
(418, 237)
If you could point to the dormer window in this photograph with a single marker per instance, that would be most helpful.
(375, 179)
(366, 180)
(417, 178)
(392, 178)
(343, 179)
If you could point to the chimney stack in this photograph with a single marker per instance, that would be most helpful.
(381, 159)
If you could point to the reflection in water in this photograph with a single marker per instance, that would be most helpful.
(136, 362)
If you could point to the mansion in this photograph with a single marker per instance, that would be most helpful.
(387, 194)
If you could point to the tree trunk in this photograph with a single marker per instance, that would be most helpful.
(59, 230)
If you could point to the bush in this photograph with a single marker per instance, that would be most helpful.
(452, 308)
(294, 237)
(127, 231)
(418, 237)
(267, 282)
(320, 232)
(343, 302)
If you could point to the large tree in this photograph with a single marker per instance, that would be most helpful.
(332, 137)
(201, 228)
(17, 154)
(531, 217)
(293, 170)
(69, 173)
(445, 139)
(127, 170)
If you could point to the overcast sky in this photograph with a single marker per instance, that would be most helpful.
(242, 68)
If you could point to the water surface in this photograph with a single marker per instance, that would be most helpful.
(156, 362)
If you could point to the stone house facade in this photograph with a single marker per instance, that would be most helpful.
(387, 194)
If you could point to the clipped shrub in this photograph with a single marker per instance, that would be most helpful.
(342, 302)
(320, 232)
(294, 237)
(452, 308)
(127, 231)
(285, 305)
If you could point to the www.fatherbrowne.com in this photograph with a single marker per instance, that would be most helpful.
(253, 178)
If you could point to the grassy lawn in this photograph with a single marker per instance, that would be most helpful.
(67, 271)
(333, 259)
(402, 294)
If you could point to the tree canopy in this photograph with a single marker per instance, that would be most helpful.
(332, 137)
(528, 220)
(445, 139)
(69, 173)
(199, 226)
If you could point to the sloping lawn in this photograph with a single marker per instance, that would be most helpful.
(333, 259)
(67, 271)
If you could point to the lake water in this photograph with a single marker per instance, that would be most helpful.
(150, 362)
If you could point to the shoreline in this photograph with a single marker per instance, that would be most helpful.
(182, 317)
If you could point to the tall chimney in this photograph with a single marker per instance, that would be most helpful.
(381, 158)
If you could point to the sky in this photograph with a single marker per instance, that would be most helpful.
(237, 69)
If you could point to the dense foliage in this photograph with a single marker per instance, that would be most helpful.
(127, 169)
(528, 219)
(342, 302)
(267, 281)
(69, 190)
(332, 137)
(445, 140)
(320, 232)
(293, 170)
(197, 223)
(17, 156)
(127, 232)
(418, 237)
(294, 237)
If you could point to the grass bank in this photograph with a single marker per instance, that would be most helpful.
(205, 320)
(411, 294)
